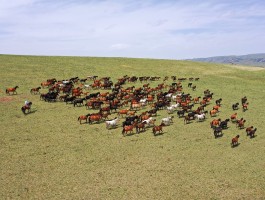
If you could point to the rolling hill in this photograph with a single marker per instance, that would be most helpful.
(257, 60)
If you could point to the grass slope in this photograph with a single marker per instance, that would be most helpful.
(49, 155)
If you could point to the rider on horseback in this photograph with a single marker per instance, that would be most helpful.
(27, 103)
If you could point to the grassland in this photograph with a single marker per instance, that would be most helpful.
(49, 155)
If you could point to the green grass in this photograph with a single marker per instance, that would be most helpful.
(49, 155)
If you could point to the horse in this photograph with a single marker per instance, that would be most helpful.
(217, 132)
(13, 90)
(248, 129)
(245, 107)
(35, 90)
(79, 101)
(200, 117)
(252, 133)
(112, 123)
(223, 124)
(187, 119)
(128, 128)
(97, 118)
(235, 106)
(158, 129)
(167, 120)
(234, 142)
(140, 127)
(46, 84)
(26, 108)
(149, 121)
(83, 117)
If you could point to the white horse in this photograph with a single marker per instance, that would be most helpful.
(200, 117)
(143, 101)
(112, 123)
(168, 120)
(149, 121)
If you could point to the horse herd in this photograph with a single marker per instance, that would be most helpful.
(127, 101)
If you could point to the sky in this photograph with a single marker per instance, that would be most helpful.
(165, 29)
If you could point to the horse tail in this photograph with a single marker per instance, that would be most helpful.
(78, 119)
(123, 131)
(6, 91)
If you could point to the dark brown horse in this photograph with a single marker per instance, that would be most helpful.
(35, 90)
(26, 108)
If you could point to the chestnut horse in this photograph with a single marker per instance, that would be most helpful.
(234, 142)
(158, 129)
(83, 117)
(13, 90)
(35, 90)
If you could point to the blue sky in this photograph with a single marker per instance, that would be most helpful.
(124, 28)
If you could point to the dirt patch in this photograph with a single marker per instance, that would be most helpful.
(6, 99)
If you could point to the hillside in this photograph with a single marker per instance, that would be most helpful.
(247, 60)
(48, 154)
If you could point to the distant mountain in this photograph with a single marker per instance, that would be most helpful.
(248, 60)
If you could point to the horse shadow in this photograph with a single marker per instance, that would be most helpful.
(234, 146)
(252, 137)
(159, 134)
(31, 112)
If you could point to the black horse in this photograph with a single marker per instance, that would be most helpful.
(26, 108)
(78, 102)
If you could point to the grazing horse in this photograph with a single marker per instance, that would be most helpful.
(26, 108)
(234, 142)
(235, 106)
(158, 129)
(83, 117)
(35, 90)
(112, 123)
(13, 90)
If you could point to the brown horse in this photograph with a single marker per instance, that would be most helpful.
(97, 118)
(11, 90)
(158, 129)
(234, 142)
(35, 90)
(128, 128)
(187, 119)
(83, 117)
(46, 84)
